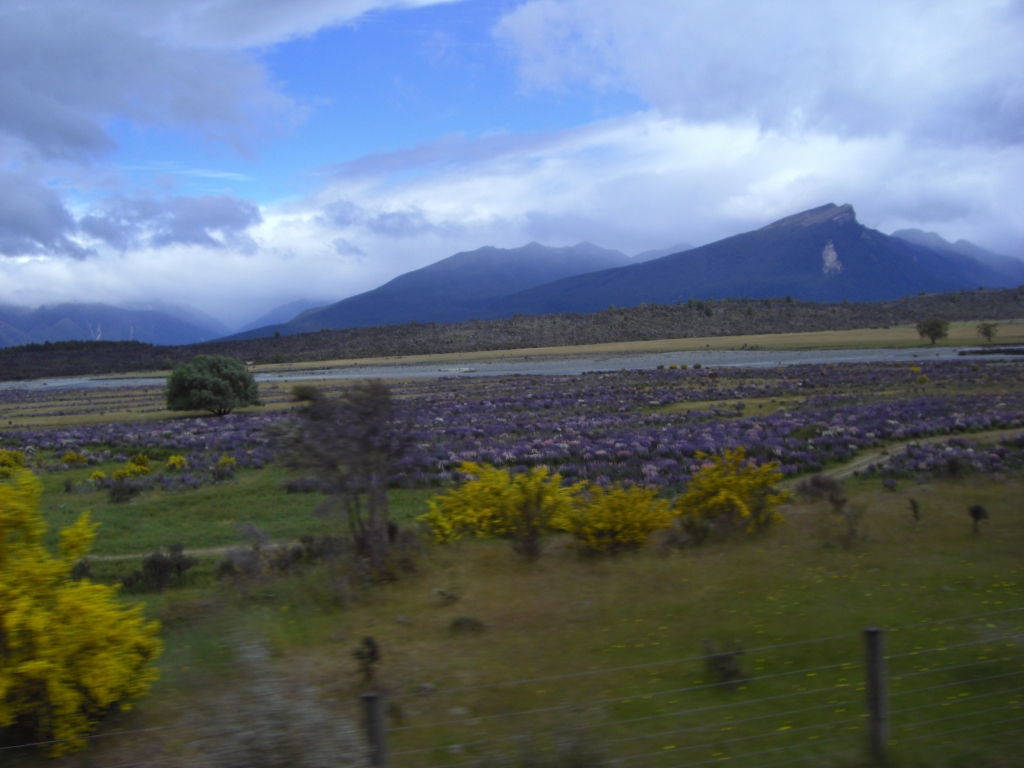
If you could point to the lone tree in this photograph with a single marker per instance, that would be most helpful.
(933, 328)
(211, 383)
(351, 444)
(988, 331)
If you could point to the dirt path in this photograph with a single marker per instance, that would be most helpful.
(882, 453)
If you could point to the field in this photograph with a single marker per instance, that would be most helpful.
(601, 661)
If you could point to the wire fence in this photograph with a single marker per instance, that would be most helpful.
(952, 684)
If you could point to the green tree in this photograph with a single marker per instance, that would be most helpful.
(988, 331)
(211, 383)
(933, 328)
(68, 650)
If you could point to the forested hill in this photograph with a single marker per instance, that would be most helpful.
(655, 321)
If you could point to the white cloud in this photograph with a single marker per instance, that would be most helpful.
(941, 70)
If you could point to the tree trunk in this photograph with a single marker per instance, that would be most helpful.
(377, 519)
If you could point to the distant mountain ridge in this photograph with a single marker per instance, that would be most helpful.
(91, 322)
(456, 288)
(822, 255)
(1011, 268)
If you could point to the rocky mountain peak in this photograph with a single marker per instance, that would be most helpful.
(841, 214)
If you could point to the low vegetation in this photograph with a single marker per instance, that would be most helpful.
(707, 318)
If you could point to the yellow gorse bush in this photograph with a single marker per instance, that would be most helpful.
(227, 462)
(615, 519)
(9, 462)
(74, 458)
(137, 467)
(734, 491)
(497, 504)
(98, 476)
(176, 462)
(68, 650)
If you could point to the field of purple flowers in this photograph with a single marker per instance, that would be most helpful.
(644, 427)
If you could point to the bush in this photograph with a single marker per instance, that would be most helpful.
(614, 520)
(72, 458)
(496, 504)
(174, 463)
(137, 467)
(10, 462)
(211, 383)
(123, 490)
(69, 650)
(224, 468)
(732, 492)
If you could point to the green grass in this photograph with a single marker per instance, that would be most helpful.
(564, 615)
(204, 518)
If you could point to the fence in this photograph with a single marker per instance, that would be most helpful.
(924, 695)
(953, 684)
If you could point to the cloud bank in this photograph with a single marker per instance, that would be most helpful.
(912, 111)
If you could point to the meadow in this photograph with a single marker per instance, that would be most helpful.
(598, 660)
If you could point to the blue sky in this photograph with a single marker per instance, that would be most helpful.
(233, 155)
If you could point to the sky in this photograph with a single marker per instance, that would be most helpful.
(234, 155)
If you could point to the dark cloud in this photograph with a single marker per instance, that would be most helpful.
(394, 224)
(214, 221)
(33, 219)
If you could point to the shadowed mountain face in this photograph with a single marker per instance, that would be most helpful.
(823, 254)
(1012, 269)
(85, 322)
(456, 288)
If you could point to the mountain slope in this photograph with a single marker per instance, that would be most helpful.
(1012, 269)
(90, 322)
(453, 289)
(282, 314)
(823, 254)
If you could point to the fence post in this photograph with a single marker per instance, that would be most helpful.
(376, 728)
(878, 697)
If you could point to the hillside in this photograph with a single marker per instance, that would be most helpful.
(453, 289)
(685, 320)
(89, 322)
(823, 254)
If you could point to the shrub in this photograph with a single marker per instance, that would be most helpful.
(69, 650)
(10, 462)
(137, 467)
(616, 519)
(73, 458)
(123, 490)
(211, 383)
(224, 468)
(98, 476)
(732, 492)
(174, 463)
(497, 504)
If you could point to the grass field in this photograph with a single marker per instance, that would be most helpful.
(565, 615)
(597, 660)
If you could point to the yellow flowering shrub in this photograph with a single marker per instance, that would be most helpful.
(616, 519)
(9, 462)
(175, 463)
(137, 467)
(74, 458)
(68, 650)
(227, 463)
(497, 504)
(731, 491)
(98, 476)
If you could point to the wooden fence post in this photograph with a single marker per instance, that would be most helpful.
(877, 695)
(376, 728)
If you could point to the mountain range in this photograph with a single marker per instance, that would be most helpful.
(821, 255)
